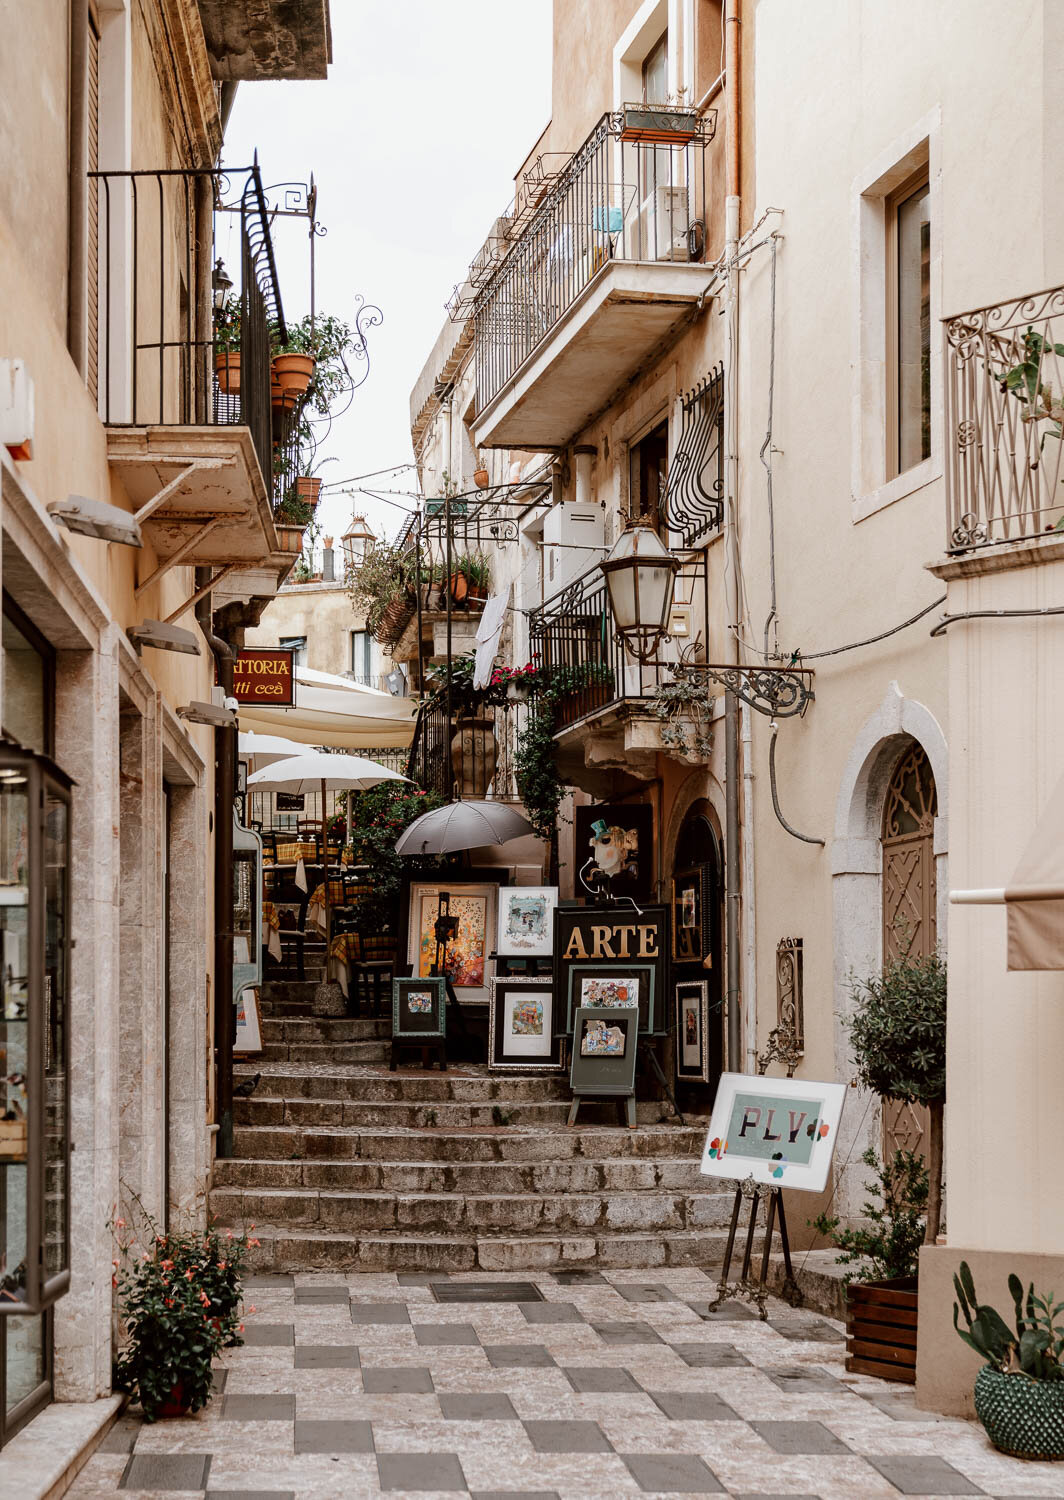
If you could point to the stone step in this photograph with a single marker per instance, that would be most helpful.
(474, 1213)
(287, 1250)
(398, 1114)
(317, 1054)
(325, 1031)
(371, 1087)
(574, 1175)
(593, 1141)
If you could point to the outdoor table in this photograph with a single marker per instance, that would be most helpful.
(316, 904)
(344, 948)
(271, 930)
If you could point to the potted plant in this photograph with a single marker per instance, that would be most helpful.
(227, 345)
(308, 489)
(673, 123)
(477, 575)
(474, 748)
(881, 1300)
(1019, 1392)
(481, 477)
(518, 682)
(378, 588)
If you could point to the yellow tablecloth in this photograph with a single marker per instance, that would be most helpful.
(316, 904)
(345, 947)
(293, 851)
(271, 929)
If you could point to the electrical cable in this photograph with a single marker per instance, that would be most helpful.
(995, 614)
(872, 639)
(804, 837)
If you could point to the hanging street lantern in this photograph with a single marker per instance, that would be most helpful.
(221, 284)
(640, 576)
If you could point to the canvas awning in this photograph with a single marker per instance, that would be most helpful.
(1034, 898)
(335, 711)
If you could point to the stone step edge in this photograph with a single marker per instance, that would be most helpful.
(460, 1134)
(376, 1195)
(265, 1233)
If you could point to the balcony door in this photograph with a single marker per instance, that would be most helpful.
(648, 472)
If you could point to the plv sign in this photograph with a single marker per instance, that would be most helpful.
(265, 675)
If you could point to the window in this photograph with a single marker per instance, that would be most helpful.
(908, 223)
(29, 682)
(92, 362)
(648, 467)
(361, 649)
(297, 644)
(656, 72)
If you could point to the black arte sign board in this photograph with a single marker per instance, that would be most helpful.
(610, 955)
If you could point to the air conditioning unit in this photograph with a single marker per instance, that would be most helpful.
(659, 229)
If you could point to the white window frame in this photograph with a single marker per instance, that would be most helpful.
(871, 489)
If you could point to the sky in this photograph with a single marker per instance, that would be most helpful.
(413, 141)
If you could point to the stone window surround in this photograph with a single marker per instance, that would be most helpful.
(871, 490)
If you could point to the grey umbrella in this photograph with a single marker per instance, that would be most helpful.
(462, 825)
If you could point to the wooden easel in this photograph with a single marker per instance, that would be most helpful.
(756, 1292)
(628, 1100)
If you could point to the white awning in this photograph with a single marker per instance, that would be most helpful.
(347, 717)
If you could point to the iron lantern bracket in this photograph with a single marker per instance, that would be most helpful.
(776, 692)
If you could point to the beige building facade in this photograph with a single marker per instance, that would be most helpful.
(735, 327)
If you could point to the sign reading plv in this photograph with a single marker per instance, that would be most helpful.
(265, 675)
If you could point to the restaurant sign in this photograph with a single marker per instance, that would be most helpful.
(265, 675)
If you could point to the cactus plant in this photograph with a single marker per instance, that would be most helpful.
(1036, 1349)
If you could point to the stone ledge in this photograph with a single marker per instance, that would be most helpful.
(820, 1278)
(42, 1461)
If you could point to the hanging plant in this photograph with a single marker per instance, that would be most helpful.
(685, 712)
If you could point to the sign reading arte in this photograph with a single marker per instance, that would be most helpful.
(265, 674)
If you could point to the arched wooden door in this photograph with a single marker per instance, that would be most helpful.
(909, 901)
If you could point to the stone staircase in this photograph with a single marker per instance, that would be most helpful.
(342, 1165)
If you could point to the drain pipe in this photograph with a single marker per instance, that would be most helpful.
(732, 873)
(224, 795)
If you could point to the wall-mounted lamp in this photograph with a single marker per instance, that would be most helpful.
(640, 576)
(94, 518)
(209, 714)
(221, 284)
(163, 637)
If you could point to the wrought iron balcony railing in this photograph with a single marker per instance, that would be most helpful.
(159, 344)
(1004, 421)
(483, 743)
(634, 191)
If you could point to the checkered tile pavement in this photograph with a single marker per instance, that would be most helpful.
(585, 1384)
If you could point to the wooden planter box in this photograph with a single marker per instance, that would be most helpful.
(881, 1328)
(289, 538)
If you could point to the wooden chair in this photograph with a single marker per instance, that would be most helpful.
(293, 935)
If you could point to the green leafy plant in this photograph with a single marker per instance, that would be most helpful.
(475, 571)
(293, 512)
(380, 578)
(227, 325)
(685, 711)
(1024, 381)
(465, 698)
(889, 1244)
(1035, 1349)
(898, 1035)
(332, 344)
(378, 817)
(535, 767)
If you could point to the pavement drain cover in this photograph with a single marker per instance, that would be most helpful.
(486, 1291)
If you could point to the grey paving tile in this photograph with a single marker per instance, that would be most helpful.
(268, 1335)
(326, 1357)
(551, 1312)
(486, 1291)
(923, 1474)
(441, 1335)
(901, 1408)
(315, 1435)
(598, 1378)
(759, 1496)
(368, 1313)
(711, 1356)
(627, 1333)
(728, 1312)
(166, 1471)
(567, 1437)
(466, 1406)
(802, 1379)
(513, 1495)
(218, 1379)
(268, 1281)
(420, 1471)
(693, 1406)
(121, 1437)
(673, 1473)
(398, 1381)
(269, 1408)
(800, 1437)
(325, 1296)
(817, 1331)
(251, 1495)
(644, 1291)
(518, 1356)
(421, 1278)
(579, 1278)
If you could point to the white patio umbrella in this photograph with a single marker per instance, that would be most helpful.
(320, 770)
(264, 749)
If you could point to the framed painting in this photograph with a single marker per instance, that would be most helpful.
(688, 916)
(779, 1131)
(604, 1051)
(613, 940)
(612, 987)
(692, 1029)
(614, 851)
(419, 1008)
(521, 1035)
(526, 920)
(473, 907)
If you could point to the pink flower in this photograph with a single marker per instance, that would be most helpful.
(167, 1265)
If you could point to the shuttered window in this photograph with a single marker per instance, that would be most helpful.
(92, 280)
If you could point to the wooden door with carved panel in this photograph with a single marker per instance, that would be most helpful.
(909, 898)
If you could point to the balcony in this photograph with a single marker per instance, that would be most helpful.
(189, 428)
(1004, 417)
(611, 263)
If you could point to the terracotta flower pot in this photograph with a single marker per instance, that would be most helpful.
(308, 488)
(294, 371)
(458, 585)
(227, 372)
(176, 1404)
(289, 538)
(481, 478)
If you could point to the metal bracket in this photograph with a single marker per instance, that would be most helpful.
(215, 579)
(180, 554)
(776, 692)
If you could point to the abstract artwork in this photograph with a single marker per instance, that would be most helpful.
(526, 920)
(418, 1008)
(467, 952)
(600, 1039)
(621, 992)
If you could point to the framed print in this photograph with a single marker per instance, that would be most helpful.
(612, 942)
(614, 851)
(419, 1007)
(248, 1021)
(604, 1051)
(780, 1131)
(526, 920)
(692, 1029)
(521, 1034)
(688, 906)
(612, 987)
(474, 908)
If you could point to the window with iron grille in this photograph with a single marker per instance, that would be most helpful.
(693, 498)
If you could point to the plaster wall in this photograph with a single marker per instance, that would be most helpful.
(324, 614)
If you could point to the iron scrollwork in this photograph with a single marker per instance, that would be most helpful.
(693, 502)
(777, 692)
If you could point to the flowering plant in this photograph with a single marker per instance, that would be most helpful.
(527, 676)
(178, 1305)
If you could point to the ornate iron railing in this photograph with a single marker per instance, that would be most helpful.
(1004, 419)
(572, 634)
(634, 191)
(693, 502)
(483, 745)
(157, 331)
